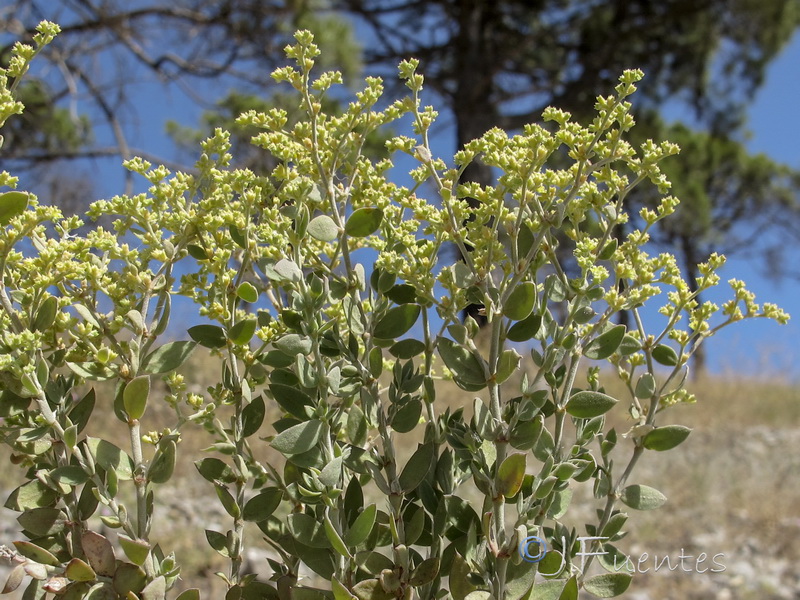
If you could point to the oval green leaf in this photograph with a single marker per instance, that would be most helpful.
(589, 404)
(408, 348)
(242, 332)
(12, 204)
(247, 292)
(526, 329)
(363, 222)
(417, 467)
(46, 315)
(665, 355)
(520, 301)
(210, 336)
(167, 358)
(35, 553)
(135, 396)
(608, 585)
(642, 497)
(260, 507)
(605, 344)
(464, 365)
(163, 464)
(666, 438)
(323, 228)
(511, 475)
(299, 438)
(361, 528)
(253, 416)
(397, 321)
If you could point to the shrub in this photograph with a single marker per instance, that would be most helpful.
(320, 293)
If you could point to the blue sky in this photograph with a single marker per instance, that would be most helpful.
(774, 125)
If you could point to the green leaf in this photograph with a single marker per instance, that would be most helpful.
(242, 332)
(629, 345)
(588, 404)
(42, 521)
(135, 396)
(287, 270)
(77, 570)
(363, 222)
(665, 355)
(227, 500)
(357, 426)
(520, 578)
(402, 293)
(406, 349)
(71, 475)
(608, 585)
(35, 553)
(111, 458)
(323, 228)
(167, 358)
(129, 580)
(511, 475)
(417, 467)
(645, 386)
(335, 539)
(260, 507)
(553, 590)
(397, 321)
(508, 363)
(291, 399)
(197, 252)
(253, 416)
(407, 418)
(642, 497)
(156, 589)
(614, 525)
(525, 329)
(460, 583)
(294, 344)
(371, 589)
(331, 474)
(99, 553)
(162, 466)
(80, 413)
(247, 292)
(136, 550)
(308, 531)
(238, 236)
(605, 344)
(210, 336)
(525, 434)
(212, 469)
(46, 315)
(520, 301)
(299, 438)
(12, 204)
(190, 594)
(666, 438)
(425, 572)
(218, 542)
(361, 528)
(465, 366)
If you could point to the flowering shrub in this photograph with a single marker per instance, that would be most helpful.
(322, 297)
